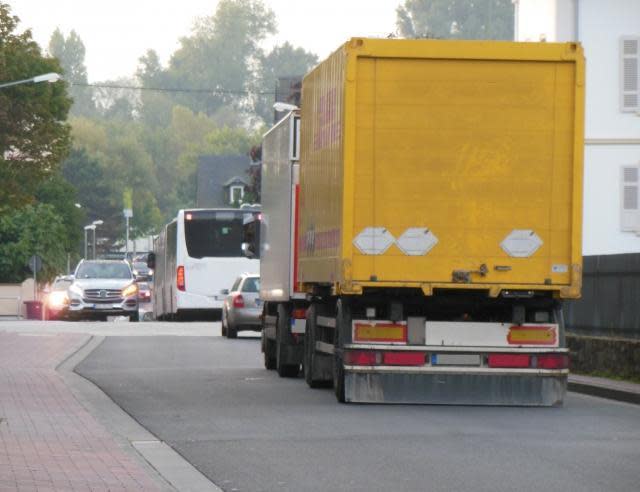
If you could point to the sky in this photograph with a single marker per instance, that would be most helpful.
(116, 33)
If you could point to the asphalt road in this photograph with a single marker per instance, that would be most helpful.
(248, 430)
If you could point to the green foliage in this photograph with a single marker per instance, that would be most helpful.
(33, 229)
(70, 52)
(34, 136)
(456, 19)
(283, 61)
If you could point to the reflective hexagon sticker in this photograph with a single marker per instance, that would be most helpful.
(374, 240)
(417, 241)
(521, 243)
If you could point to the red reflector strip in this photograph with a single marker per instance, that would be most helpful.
(403, 358)
(360, 358)
(552, 361)
(509, 360)
(299, 313)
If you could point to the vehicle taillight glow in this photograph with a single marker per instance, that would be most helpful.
(362, 358)
(180, 280)
(299, 313)
(238, 301)
(403, 358)
(509, 360)
(552, 361)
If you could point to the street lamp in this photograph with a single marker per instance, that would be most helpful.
(47, 77)
(94, 224)
(86, 228)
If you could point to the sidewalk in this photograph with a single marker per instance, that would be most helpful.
(48, 441)
(605, 388)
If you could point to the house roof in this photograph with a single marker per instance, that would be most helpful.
(215, 172)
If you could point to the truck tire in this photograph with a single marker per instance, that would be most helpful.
(343, 322)
(283, 338)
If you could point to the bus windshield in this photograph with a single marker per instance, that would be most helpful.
(213, 234)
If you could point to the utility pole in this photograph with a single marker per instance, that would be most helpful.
(128, 213)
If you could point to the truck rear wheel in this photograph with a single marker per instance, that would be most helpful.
(343, 322)
(284, 367)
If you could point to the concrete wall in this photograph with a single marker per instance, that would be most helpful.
(605, 356)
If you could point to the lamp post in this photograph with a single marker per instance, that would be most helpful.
(95, 223)
(87, 228)
(47, 77)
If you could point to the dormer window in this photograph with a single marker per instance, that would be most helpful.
(236, 194)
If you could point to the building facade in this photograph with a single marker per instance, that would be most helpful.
(610, 35)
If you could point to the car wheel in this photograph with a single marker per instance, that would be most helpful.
(232, 331)
(224, 324)
(134, 317)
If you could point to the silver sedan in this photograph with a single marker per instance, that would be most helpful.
(242, 306)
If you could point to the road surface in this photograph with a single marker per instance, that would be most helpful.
(248, 430)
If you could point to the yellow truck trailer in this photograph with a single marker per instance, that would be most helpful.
(438, 224)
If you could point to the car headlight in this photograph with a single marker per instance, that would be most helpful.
(58, 299)
(74, 289)
(130, 290)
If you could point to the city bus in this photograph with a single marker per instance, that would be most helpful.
(195, 257)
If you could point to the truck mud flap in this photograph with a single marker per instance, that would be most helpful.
(455, 389)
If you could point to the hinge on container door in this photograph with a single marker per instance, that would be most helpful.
(464, 276)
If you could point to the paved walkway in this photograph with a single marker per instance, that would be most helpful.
(48, 441)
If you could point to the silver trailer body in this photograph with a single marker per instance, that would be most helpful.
(279, 197)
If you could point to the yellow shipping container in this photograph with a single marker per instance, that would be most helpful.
(443, 164)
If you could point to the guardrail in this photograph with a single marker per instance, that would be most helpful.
(18, 300)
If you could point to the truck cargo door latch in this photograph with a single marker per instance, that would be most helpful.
(464, 276)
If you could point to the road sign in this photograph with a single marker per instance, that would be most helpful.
(35, 263)
(128, 212)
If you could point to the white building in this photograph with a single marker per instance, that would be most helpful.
(610, 34)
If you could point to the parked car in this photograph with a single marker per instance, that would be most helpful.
(242, 306)
(56, 302)
(103, 288)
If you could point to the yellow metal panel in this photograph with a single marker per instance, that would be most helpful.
(468, 139)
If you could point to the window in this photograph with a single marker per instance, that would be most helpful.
(217, 236)
(251, 284)
(236, 193)
(630, 210)
(630, 74)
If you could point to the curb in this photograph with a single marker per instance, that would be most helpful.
(170, 470)
(604, 392)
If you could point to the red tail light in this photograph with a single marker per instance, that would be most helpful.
(238, 301)
(403, 358)
(299, 313)
(361, 358)
(180, 280)
(552, 361)
(509, 360)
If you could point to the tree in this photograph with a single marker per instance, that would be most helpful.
(283, 61)
(456, 19)
(33, 229)
(219, 55)
(34, 135)
(70, 52)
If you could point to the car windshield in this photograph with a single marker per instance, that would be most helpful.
(61, 284)
(103, 270)
(251, 284)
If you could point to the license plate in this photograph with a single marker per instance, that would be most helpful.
(103, 306)
(455, 359)
(258, 302)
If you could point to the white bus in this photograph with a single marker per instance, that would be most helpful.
(195, 257)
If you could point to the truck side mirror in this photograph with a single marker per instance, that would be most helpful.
(151, 260)
(247, 250)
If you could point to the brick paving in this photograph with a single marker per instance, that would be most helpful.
(48, 441)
